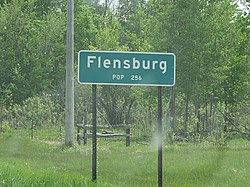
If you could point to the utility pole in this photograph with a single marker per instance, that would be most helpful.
(69, 101)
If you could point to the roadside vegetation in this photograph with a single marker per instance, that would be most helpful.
(47, 162)
(206, 118)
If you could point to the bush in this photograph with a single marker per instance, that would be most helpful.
(38, 111)
(5, 127)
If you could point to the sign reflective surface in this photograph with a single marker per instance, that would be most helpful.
(126, 68)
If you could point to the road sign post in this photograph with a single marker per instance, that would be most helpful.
(159, 136)
(94, 138)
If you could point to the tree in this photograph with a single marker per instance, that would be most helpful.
(133, 20)
(87, 25)
(32, 58)
(117, 102)
(207, 63)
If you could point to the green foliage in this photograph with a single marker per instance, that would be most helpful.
(117, 103)
(210, 57)
(87, 25)
(133, 19)
(33, 49)
(40, 111)
(210, 40)
(5, 127)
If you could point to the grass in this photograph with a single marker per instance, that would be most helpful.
(45, 161)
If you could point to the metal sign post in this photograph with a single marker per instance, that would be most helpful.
(159, 136)
(94, 138)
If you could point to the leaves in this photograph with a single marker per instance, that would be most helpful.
(209, 38)
(32, 50)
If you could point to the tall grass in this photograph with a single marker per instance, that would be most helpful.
(46, 162)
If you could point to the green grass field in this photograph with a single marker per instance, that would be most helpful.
(44, 161)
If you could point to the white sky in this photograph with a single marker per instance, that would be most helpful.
(114, 3)
(243, 5)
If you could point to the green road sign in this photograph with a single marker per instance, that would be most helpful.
(126, 68)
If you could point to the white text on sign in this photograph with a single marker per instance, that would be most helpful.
(132, 77)
(126, 64)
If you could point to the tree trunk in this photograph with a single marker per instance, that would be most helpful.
(211, 122)
(172, 109)
(206, 119)
(186, 114)
(198, 114)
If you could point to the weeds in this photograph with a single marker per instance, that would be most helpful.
(42, 162)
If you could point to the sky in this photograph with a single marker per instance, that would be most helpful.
(243, 5)
(114, 2)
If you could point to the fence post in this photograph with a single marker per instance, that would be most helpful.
(78, 136)
(127, 136)
(85, 122)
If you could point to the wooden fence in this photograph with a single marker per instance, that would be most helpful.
(107, 132)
